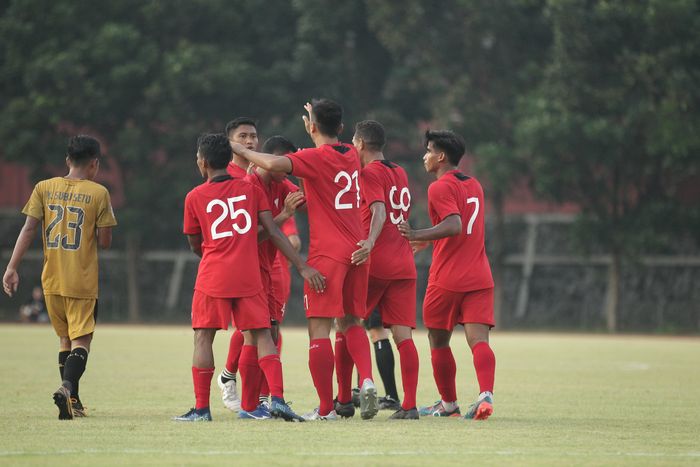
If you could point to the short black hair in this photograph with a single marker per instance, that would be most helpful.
(448, 141)
(372, 133)
(236, 122)
(215, 149)
(328, 116)
(278, 145)
(82, 149)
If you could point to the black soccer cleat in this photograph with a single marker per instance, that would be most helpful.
(344, 410)
(356, 397)
(62, 400)
(389, 403)
(401, 414)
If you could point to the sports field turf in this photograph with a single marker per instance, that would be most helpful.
(560, 399)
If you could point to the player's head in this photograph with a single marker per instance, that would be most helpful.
(84, 152)
(369, 136)
(213, 152)
(278, 146)
(443, 147)
(243, 130)
(326, 117)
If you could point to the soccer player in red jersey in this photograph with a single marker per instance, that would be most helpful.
(283, 198)
(331, 175)
(386, 202)
(460, 285)
(243, 130)
(221, 223)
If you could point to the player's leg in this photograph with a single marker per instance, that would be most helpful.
(251, 376)
(355, 307)
(440, 308)
(227, 378)
(384, 357)
(63, 352)
(209, 314)
(55, 306)
(398, 310)
(321, 363)
(477, 316)
(73, 370)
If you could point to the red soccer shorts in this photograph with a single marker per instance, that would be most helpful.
(217, 313)
(274, 306)
(444, 309)
(396, 299)
(281, 281)
(346, 290)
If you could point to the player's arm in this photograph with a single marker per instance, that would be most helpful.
(295, 240)
(10, 280)
(361, 255)
(291, 203)
(195, 242)
(104, 237)
(312, 276)
(264, 160)
(450, 226)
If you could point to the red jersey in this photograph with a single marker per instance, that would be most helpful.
(275, 192)
(331, 176)
(386, 182)
(235, 171)
(459, 263)
(224, 210)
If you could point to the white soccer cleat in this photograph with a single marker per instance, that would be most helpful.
(315, 415)
(369, 403)
(229, 394)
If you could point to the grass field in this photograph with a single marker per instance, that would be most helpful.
(560, 399)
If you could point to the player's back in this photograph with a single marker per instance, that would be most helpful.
(385, 181)
(70, 211)
(224, 210)
(459, 262)
(332, 189)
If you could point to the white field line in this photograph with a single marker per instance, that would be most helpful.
(504, 453)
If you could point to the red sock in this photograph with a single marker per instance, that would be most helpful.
(250, 377)
(201, 377)
(444, 372)
(271, 367)
(485, 365)
(343, 368)
(358, 346)
(409, 372)
(234, 351)
(264, 387)
(321, 367)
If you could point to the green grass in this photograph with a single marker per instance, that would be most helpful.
(560, 399)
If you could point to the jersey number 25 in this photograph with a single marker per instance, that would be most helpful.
(229, 210)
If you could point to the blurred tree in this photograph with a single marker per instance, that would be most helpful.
(464, 64)
(615, 127)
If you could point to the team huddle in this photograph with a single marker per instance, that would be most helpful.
(240, 221)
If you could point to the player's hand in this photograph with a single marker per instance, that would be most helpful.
(238, 148)
(362, 254)
(10, 282)
(418, 245)
(293, 201)
(405, 230)
(314, 278)
(307, 119)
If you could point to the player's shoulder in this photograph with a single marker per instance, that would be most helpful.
(96, 188)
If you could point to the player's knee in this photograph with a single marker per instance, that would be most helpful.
(400, 333)
(439, 338)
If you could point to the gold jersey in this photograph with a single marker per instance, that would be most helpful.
(70, 211)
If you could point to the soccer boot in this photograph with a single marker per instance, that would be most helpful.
(401, 414)
(369, 405)
(438, 410)
(280, 409)
(261, 412)
(389, 403)
(482, 408)
(356, 397)
(316, 415)
(229, 395)
(62, 400)
(344, 410)
(78, 410)
(195, 415)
